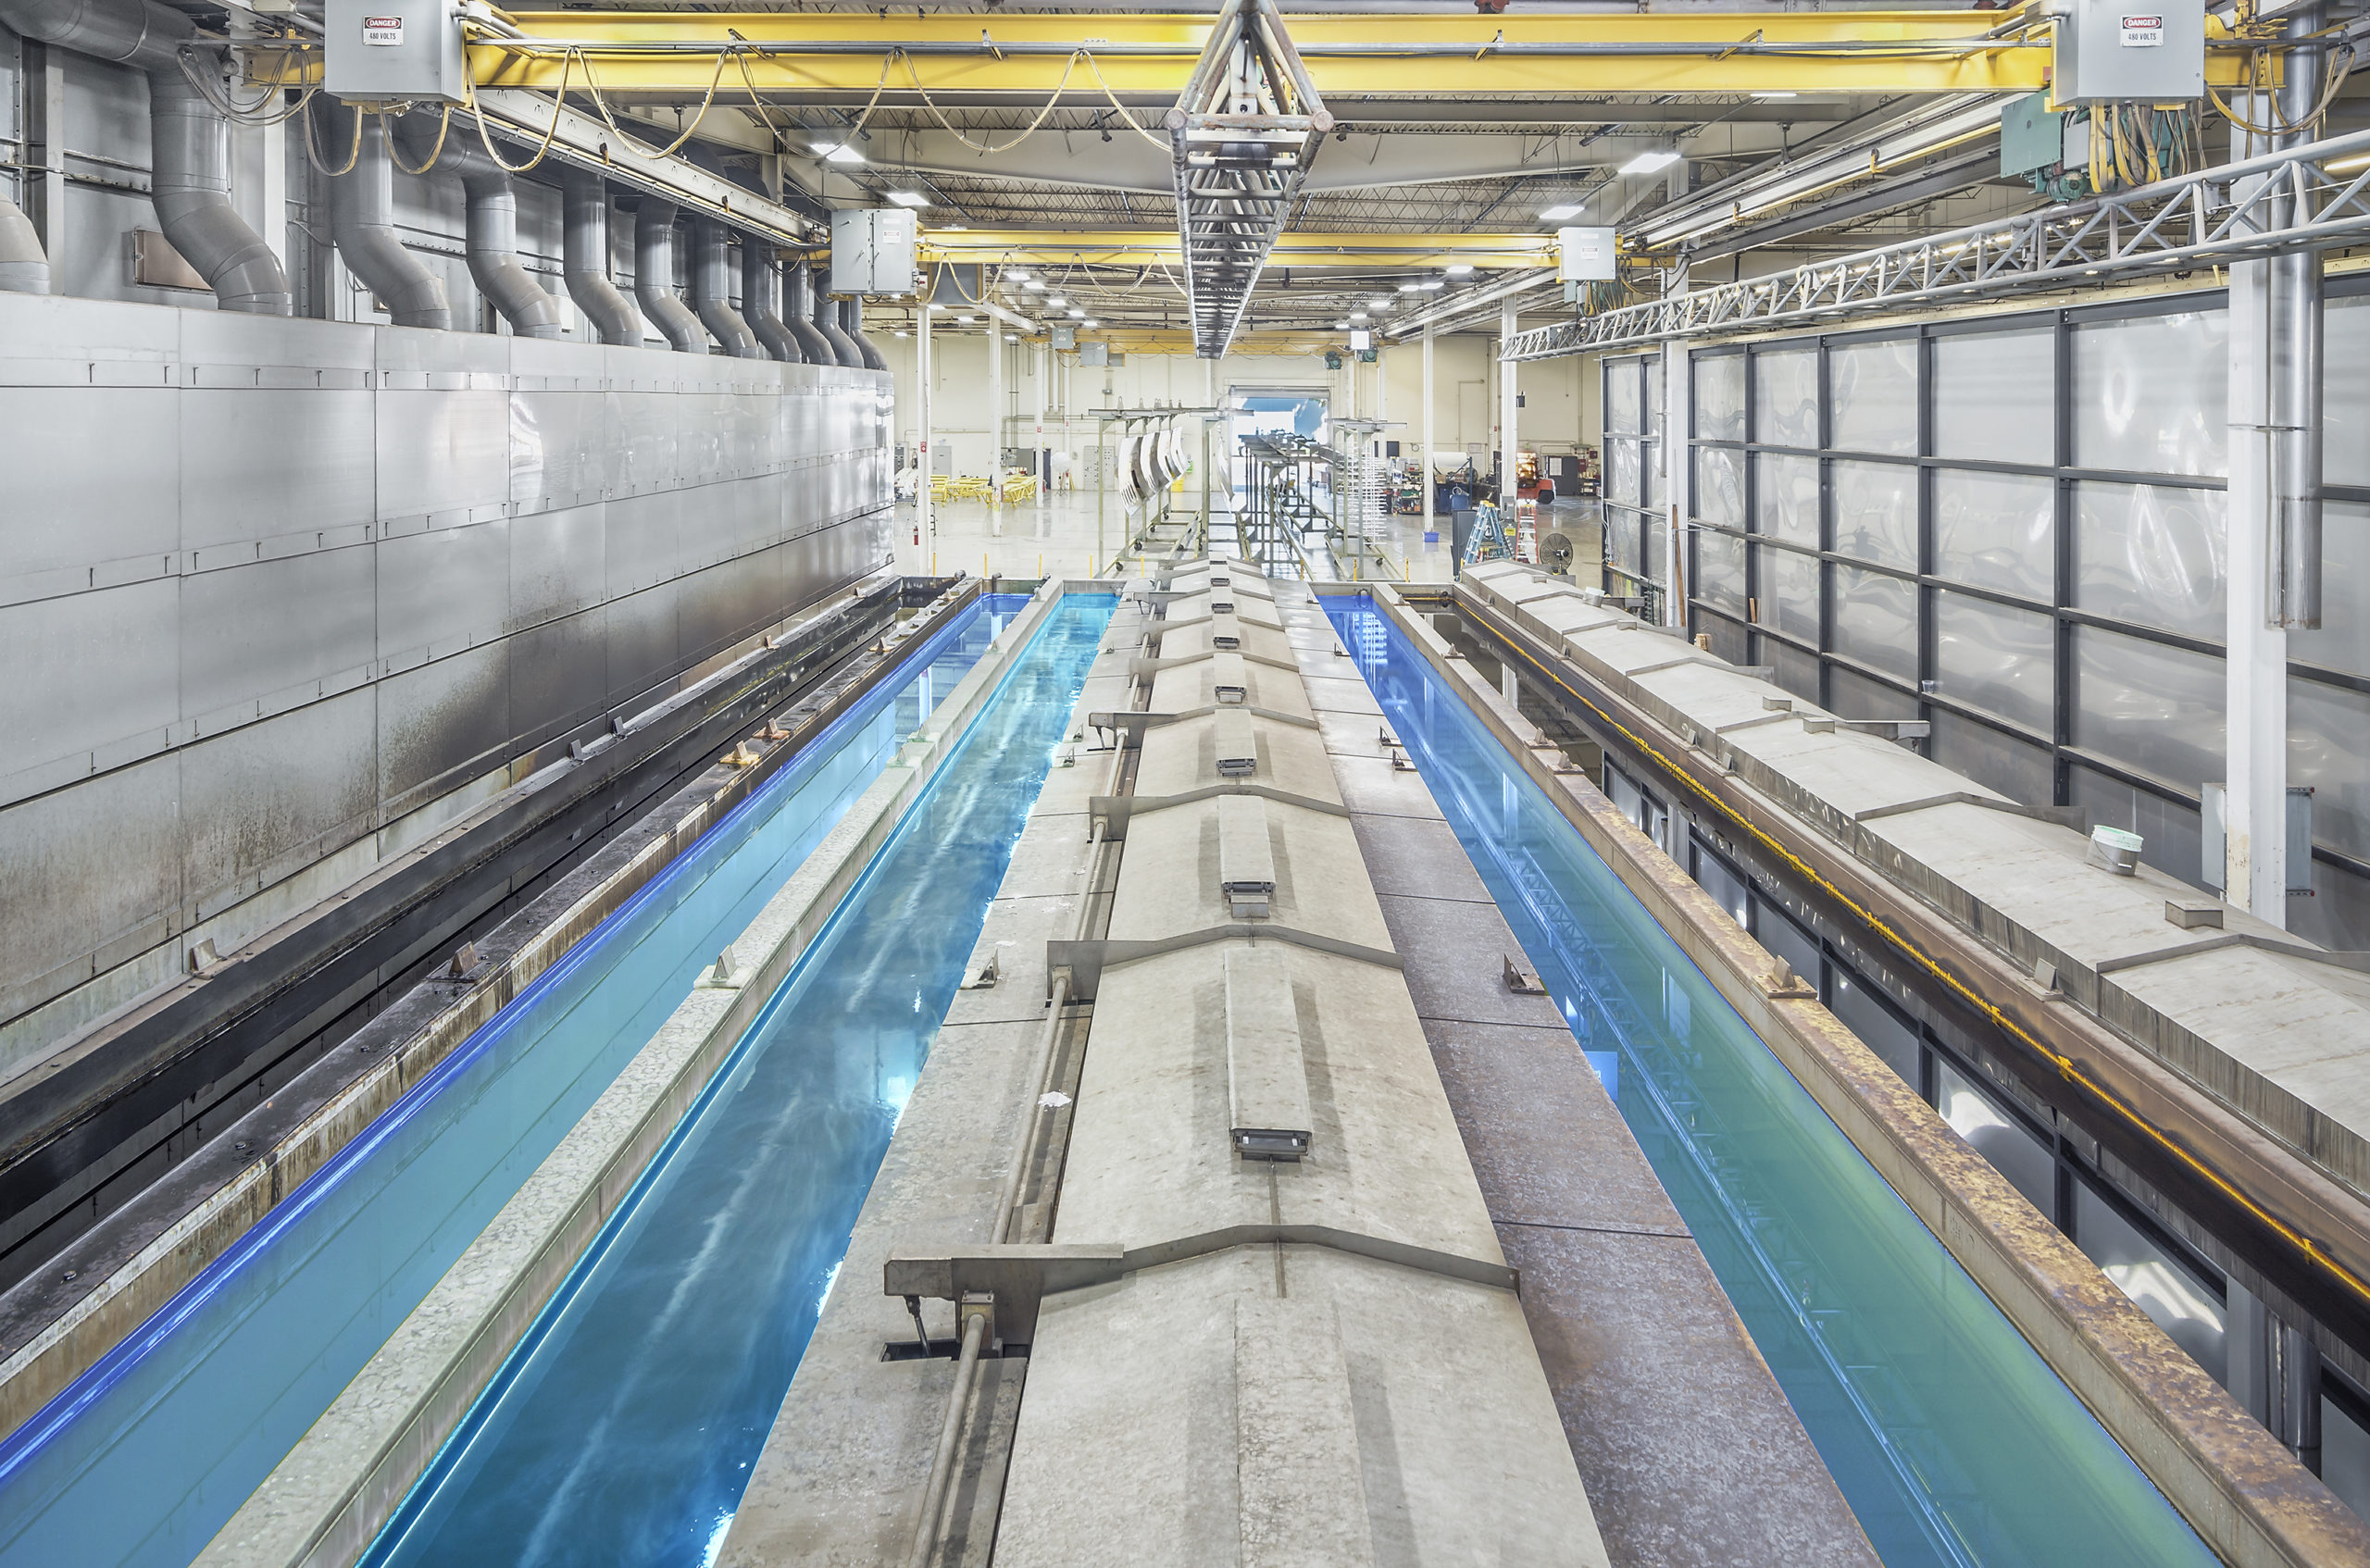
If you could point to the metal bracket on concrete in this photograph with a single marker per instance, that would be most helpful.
(1114, 812)
(1083, 962)
(2064, 816)
(1892, 728)
(2358, 961)
(1142, 667)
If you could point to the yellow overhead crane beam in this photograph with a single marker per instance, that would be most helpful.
(677, 54)
(1146, 247)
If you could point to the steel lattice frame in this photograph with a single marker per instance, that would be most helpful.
(2280, 202)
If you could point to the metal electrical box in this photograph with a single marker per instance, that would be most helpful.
(377, 51)
(1584, 255)
(2140, 51)
(873, 251)
(2032, 136)
(1065, 338)
(1094, 355)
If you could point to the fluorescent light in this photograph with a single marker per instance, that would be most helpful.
(935, 305)
(1357, 315)
(1340, 326)
(1430, 284)
(1056, 302)
(1563, 210)
(1777, 93)
(1409, 287)
(1090, 322)
(1647, 163)
(1077, 315)
(966, 320)
(1011, 336)
(1378, 305)
(1460, 269)
(837, 152)
(1016, 275)
(909, 198)
(901, 331)
(1032, 283)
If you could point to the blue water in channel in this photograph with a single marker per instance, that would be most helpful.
(1949, 1437)
(143, 1458)
(624, 1427)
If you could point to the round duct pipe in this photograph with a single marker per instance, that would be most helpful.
(798, 315)
(851, 323)
(760, 288)
(712, 289)
(492, 227)
(654, 277)
(362, 217)
(24, 267)
(608, 315)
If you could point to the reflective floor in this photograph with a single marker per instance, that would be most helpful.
(1949, 1437)
(623, 1430)
(145, 1456)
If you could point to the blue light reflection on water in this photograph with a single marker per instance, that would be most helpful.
(1949, 1437)
(624, 1428)
(144, 1457)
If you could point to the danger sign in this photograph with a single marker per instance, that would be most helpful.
(2143, 32)
(388, 32)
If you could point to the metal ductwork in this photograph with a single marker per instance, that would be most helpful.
(362, 215)
(851, 323)
(760, 284)
(798, 315)
(712, 288)
(191, 181)
(654, 277)
(24, 267)
(492, 227)
(610, 316)
(827, 321)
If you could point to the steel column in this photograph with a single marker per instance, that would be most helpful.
(1431, 523)
(1508, 393)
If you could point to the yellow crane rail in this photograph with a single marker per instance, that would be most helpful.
(1145, 247)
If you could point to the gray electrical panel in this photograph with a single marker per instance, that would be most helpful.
(377, 51)
(2138, 51)
(1065, 337)
(872, 250)
(1094, 355)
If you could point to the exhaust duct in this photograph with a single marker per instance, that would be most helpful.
(610, 316)
(712, 288)
(190, 183)
(492, 229)
(24, 267)
(851, 323)
(362, 215)
(654, 277)
(827, 321)
(760, 284)
(798, 315)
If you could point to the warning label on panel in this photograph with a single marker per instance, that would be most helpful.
(2143, 32)
(388, 32)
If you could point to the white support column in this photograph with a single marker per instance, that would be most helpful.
(2255, 871)
(1040, 370)
(995, 426)
(1673, 457)
(1424, 403)
(1509, 394)
(925, 372)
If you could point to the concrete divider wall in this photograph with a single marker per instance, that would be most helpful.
(2243, 1493)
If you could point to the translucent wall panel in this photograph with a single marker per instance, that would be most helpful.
(1997, 530)
(2329, 748)
(2150, 553)
(1623, 410)
(1654, 370)
(2028, 1163)
(1624, 533)
(1786, 497)
(1719, 397)
(2158, 1284)
(1789, 591)
(1992, 758)
(1878, 1029)
(1855, 696)
(1657, 547)
(2170, 831)
(1775, 930)
(1797, 671)
(1785, 396)
(1622, 475)
(1873, 389)
(1719, 570)
(1875, 621)
(1649, 458)
(2148, 706)
(1719, 485)
(1876, 512)
(2343, 642)
(1994, 396)
(2152, 393)
(1998, 659)
(2345, 391)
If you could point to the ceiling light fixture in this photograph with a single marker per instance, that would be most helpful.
(965, 320)
(1032, 284)
(1430, 284)
(1056, 302)
(1077, 315)
(1090, 322)
(909, 198)
(837, 152)
(1649, 163)
(1357, 315)
(1410, 286)
(1460, 269)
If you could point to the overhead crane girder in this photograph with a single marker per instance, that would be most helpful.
(1146, 247)
(805, 54)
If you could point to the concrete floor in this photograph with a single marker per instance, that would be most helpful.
(1064, 535)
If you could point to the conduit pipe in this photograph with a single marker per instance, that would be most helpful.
(2296, 391)
(827, 321)
(760, 289)
(585, 247)
(492, 228)
(24, 267)
(712, 289)
(362, 217)
(851, 323)
(190, 183)
(654, 277)
(798, 315)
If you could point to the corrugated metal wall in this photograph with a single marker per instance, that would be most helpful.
(266, 585)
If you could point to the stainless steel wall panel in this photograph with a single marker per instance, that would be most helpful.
(82, 868)
(441, 455)
(89, 477)
(700, 438)
(2343, 640)
(84, 673)
(641, 543)
(559, 674)
(46, 338)
(230, 349)
(2345, 365)
(1996, 658)
(648, 442)
(440, 591)
(556, 564)
(2329, 748)
(2152, 554)
(564, 449)
(272, 796)
(263, 464)
(256, 632)
(406, 353)
(443, 723)
(641, 640)
(1875, 621)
